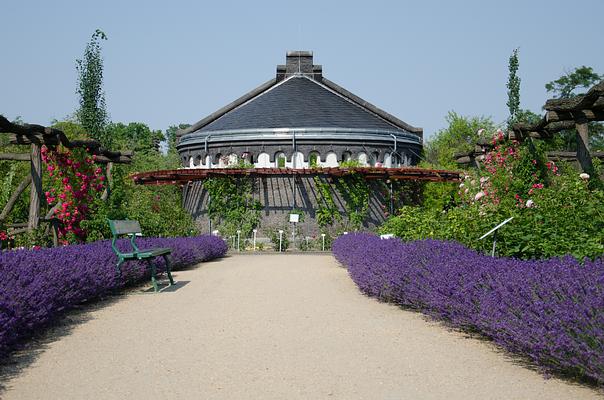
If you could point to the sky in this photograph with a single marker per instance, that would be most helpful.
(171, 62)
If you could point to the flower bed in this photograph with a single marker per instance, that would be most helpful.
(549, 310)
(38, 285)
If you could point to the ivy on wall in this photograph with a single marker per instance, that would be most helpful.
(231, 205)
(355, 191)
(327, 211)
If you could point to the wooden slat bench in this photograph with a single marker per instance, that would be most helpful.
(132, 229)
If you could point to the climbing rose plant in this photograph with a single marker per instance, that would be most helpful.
(510, 173)
(75, 182)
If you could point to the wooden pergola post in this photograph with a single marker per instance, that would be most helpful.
(35, 197)
(583, 153)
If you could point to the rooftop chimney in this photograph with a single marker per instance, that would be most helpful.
(299, 63)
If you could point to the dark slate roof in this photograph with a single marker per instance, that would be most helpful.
(298, 102)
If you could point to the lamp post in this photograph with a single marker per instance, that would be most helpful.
(238, 240)
(323, 237)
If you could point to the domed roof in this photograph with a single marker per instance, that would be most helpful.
(298, 102)
(299, 97)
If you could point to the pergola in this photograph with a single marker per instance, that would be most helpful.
(184, 176)
(37, 136)
(560, 114)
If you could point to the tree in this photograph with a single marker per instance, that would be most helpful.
(170, 136)
(461, 135)
(135, 136)
(513, 86)
(92, 113)
(565, 86)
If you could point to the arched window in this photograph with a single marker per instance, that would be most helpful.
(298, 160)
(373, 160)
(247, 157)
(331, 159)
(280, 160)
(233, 160)
(314, 160)
(362, 157)
(387, 160)
(346, 156)
(264, 161)
(221, 160)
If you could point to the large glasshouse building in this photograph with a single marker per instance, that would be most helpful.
(296, 120)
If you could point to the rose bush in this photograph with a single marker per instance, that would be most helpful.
(555, 210)
(76, 182)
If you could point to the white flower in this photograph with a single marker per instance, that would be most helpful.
(479, 196)
(472, 182)
(480, 132)
(466, 177)
(530, 203)
(584, 176)
(484, 179)
(467, 190)
(461, 185)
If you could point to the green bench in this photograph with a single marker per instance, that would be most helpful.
(133, 229)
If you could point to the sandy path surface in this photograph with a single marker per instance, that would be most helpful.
(272, 327)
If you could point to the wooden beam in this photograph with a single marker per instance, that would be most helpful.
(586, 115)
(36, 138)
(13, 198)
(117, 160)
(39, 135)
(35, 197)
(571, 155)
(577, 103)
(583, 154)
(15, 156)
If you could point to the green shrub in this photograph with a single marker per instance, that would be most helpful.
(565, 218)
(274, 236)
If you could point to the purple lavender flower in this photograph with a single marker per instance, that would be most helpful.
(38, 285)
(549, 310)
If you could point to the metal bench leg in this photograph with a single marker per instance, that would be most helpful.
(153, 280)
(168, 260)
(119, 267)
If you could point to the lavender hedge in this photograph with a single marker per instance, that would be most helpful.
(38, 285)
(549, 310)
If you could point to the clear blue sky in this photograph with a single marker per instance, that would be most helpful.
(176, 62)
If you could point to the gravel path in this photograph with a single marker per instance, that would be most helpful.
(272, 327)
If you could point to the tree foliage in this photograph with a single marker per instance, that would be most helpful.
(567, 85)
(461, 135)
(513, 86)
(92, 113)
(135, 136)
(170, 136)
